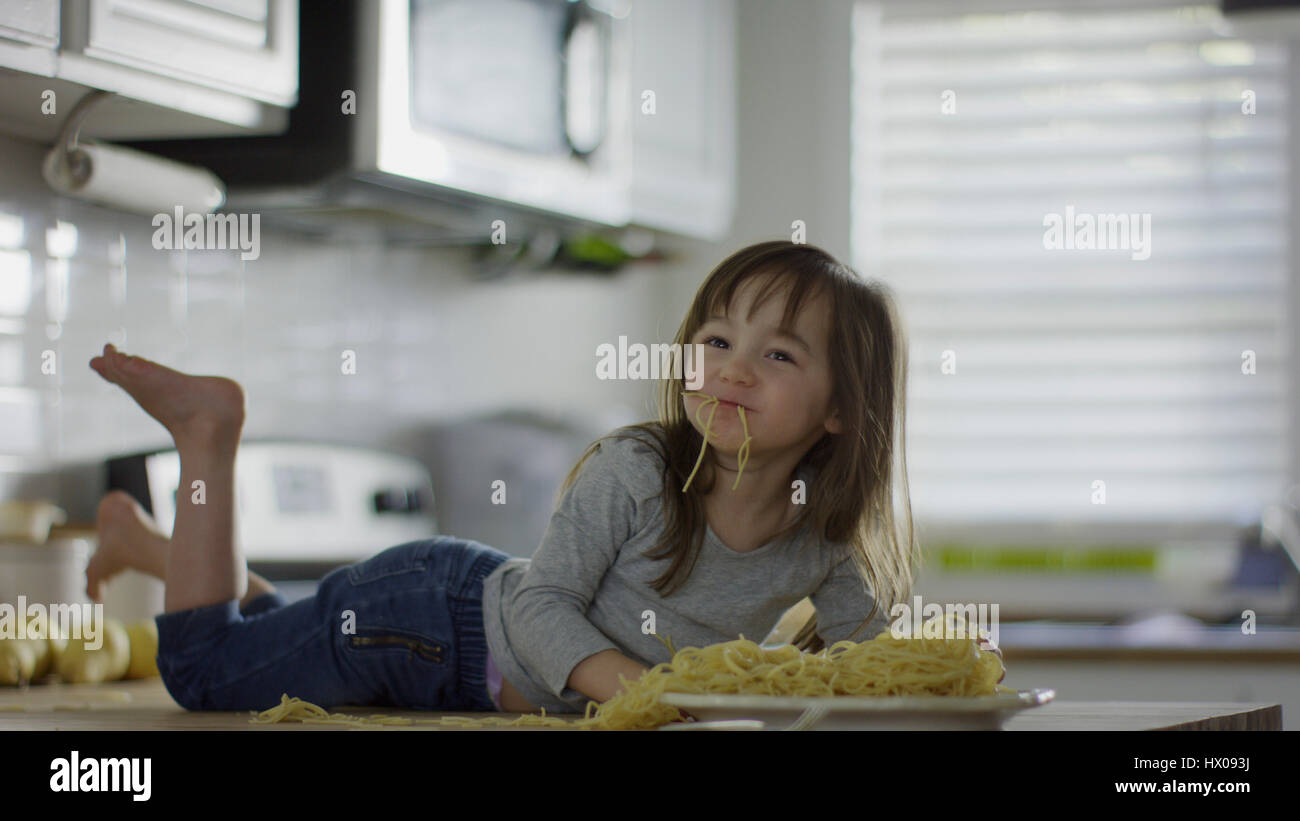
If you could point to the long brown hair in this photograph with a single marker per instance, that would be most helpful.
(850, 499)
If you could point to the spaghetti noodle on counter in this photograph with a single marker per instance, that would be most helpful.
(884, 666)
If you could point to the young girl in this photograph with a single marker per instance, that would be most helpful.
(770, 484)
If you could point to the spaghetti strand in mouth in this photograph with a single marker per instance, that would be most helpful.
(742, 454)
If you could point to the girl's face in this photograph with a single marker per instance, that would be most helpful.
(784, 383)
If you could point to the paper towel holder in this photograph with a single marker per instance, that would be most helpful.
(122, 177)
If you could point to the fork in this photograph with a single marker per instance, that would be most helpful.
(726, 724)
(809, 717)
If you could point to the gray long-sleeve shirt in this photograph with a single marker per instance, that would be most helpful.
(586, 588)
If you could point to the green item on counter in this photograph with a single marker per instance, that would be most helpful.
(595, 249)
(1048, 559)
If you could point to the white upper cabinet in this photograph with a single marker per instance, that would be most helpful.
(31, 21)
(180, 68)
(246, 47)
(29, 33)
(684, 121)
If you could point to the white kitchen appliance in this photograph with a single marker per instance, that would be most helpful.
(50, 573)
(520, 100)
(304, 508)
(436, 118)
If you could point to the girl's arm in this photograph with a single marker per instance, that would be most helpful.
(548, 622)
(842, 602)
(596, 676)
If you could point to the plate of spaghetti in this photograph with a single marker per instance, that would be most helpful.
(887, 683)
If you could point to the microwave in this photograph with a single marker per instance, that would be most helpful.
(519, 100)
(445, 112)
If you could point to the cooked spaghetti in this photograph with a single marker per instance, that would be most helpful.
(885, 666)
(742, 454)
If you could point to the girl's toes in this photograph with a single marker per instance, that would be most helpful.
(108, 365)
(115, 508)
(95, 579)
(133, 364)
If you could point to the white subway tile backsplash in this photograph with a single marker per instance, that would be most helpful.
(11, 230)
(56, 290)
(15, 282)
(61, 240)
(12, 362)
(21, 424)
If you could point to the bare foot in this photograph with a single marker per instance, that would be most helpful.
(129, 538)
(186, 405)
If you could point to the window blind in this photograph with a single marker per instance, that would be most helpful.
(973, 135)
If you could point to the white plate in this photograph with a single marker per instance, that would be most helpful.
(860, 713)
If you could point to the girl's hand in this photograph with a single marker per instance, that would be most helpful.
(987, 644)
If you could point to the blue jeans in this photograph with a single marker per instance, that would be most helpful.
(403, 628)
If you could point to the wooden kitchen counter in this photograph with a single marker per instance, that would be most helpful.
(146, 705)
(1148, 715)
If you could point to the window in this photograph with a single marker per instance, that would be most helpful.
(984, 144)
